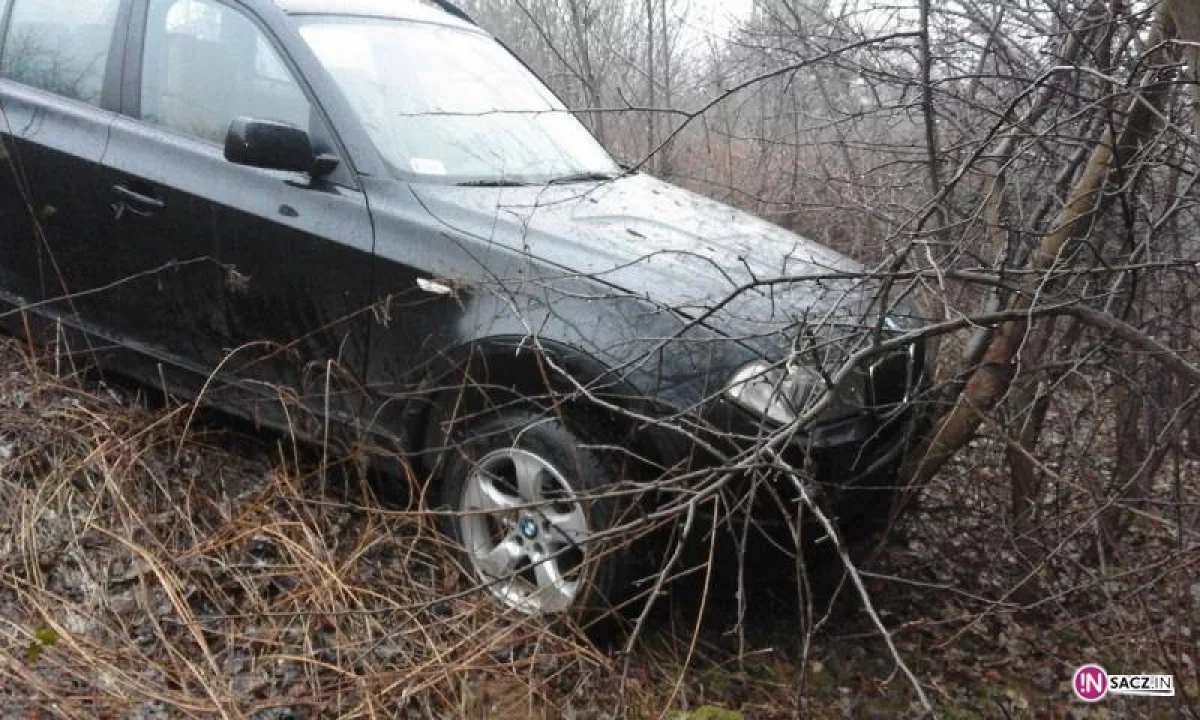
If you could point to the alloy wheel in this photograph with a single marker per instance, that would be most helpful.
(525, 532)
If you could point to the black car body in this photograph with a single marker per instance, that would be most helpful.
(207, 188)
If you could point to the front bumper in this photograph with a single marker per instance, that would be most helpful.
(849, 464)
(849, 468)
(838, 455)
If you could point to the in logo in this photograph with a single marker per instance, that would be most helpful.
(1091, 683)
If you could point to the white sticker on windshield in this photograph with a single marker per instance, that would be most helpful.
(427, 166)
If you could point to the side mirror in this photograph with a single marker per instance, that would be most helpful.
(274, 146)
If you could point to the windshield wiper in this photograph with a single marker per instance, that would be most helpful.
(583, 177)
(492, 183)
(580, 177)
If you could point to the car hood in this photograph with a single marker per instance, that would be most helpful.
(675, 248)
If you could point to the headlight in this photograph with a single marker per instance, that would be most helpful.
(776, 393)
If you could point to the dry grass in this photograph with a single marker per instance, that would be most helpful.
(145, 576)
(148, 576)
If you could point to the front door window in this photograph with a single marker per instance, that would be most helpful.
(206, 64)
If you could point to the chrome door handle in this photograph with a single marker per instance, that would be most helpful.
(135, 202)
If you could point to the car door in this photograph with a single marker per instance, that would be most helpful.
(263, 275)
(59, 85)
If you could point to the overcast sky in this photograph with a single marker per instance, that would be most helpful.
(706, 18)
(709, 17)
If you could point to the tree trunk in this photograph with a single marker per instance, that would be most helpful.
(651, 92)
(581, 27)
(991, 380)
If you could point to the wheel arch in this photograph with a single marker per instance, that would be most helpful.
(568, 377)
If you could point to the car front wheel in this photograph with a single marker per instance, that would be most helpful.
(533, 505)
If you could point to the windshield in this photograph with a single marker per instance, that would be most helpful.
(449, 105)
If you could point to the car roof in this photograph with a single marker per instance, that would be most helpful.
(433, 11)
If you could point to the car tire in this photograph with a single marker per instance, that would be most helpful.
(529, 497)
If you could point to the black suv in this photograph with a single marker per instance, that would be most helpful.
(366, 216)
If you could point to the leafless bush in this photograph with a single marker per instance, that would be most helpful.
(1030, 168)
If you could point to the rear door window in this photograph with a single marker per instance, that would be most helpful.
(205, 64)
(60, 45)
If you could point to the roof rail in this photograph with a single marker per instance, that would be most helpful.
(453, 9)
